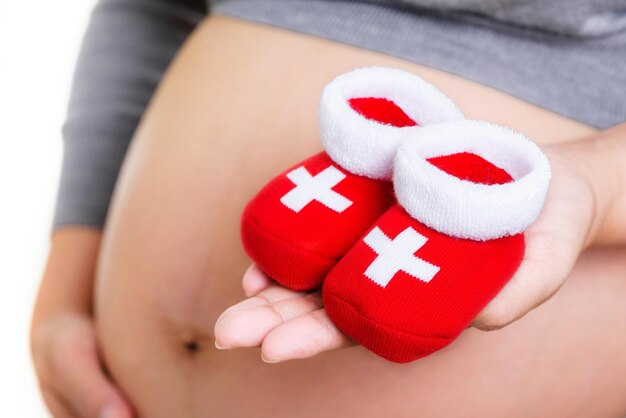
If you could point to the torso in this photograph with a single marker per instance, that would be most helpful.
(238, 106)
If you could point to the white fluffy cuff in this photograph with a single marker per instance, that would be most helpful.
(462, 208)
(366, 147)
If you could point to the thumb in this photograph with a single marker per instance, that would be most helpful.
(81, 381)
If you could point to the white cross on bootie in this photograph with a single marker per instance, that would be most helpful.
(319, 188)
(308, 217)
(466, 191)
(397, 255)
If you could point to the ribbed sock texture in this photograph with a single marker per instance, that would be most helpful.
(298, 249)
(405, 290)
(297, 240)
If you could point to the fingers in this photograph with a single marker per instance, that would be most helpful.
(76, 384)
(285, 324)
(254, 281)
(542, 272)
(553, 244)
(504, 309)
(521, 295)
(303, 337)
(57, 407)
(247, 323)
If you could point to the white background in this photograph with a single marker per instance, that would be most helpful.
(39, 41)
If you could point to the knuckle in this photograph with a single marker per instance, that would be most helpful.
(65, 348)
(58, 342)
(61, 349)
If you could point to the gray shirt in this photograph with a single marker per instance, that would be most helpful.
(581, 18)
(568, 56)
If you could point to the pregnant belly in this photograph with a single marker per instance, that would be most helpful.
(239, 105)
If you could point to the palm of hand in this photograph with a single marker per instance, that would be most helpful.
(290, 325)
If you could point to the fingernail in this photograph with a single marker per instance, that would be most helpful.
(266, 360)
(218, 322)
(222, 347)
(109, 411)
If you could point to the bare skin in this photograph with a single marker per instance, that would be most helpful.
(239, 105)
(63, 338)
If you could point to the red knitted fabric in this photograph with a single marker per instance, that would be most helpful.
(292, 233)
(405, 290)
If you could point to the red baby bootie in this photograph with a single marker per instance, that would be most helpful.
(466, 192)
(303, 221)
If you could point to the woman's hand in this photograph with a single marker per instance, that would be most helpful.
(63, 340)
(286, 324)
(583, 207)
